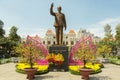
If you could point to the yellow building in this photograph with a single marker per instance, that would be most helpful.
(69, 39)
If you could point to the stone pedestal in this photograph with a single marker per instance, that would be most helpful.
(64, 51)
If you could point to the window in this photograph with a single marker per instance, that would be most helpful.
(54, 37)
(49, 42)
(72, 43)
(54, 42)
(66, 43)
(43, 42)
(66, 37)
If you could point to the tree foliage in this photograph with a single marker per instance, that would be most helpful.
(2, 31)
(13, 36)
(24, 49)
(117, 36)
(1, 23)
(7, 43)
(104, 50)
(107, 30)
(13, 39)
(108, 41)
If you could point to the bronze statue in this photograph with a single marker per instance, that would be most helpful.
(59, 23)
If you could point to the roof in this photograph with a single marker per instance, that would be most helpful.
(49, 31)
(71, 31)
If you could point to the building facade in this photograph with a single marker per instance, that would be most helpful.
(69, 39)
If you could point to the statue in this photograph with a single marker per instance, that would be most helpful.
(59, 24)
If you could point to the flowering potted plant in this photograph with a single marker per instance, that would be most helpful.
(86, 52)
(55, 59)
(31, 53)
(27, 50)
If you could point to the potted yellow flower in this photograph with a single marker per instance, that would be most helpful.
(55, 59)
(58, 59)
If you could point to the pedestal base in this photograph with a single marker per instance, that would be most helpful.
(64, 51)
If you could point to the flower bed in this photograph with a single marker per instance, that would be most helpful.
(41, 69)
(75, 69)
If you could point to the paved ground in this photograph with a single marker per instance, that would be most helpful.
(110, 72)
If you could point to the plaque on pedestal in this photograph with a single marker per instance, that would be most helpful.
(64, 51)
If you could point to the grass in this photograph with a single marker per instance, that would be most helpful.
(114, 60)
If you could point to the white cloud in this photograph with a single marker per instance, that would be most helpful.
(98, 28)
(32, 31)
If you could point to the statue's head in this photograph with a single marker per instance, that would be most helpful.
(59, 9)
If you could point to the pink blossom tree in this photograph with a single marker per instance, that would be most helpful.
(83, 50)
(33, 49)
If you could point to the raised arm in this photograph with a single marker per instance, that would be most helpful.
(51, 10)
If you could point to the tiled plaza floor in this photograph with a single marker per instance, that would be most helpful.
(110, 72)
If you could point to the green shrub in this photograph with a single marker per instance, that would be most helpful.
(118, 57)
(115, 60)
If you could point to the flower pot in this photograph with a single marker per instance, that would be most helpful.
(85, 73)
(30, 73)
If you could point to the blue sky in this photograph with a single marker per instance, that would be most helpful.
(32, 16)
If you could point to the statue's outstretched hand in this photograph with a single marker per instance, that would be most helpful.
(52, 5)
